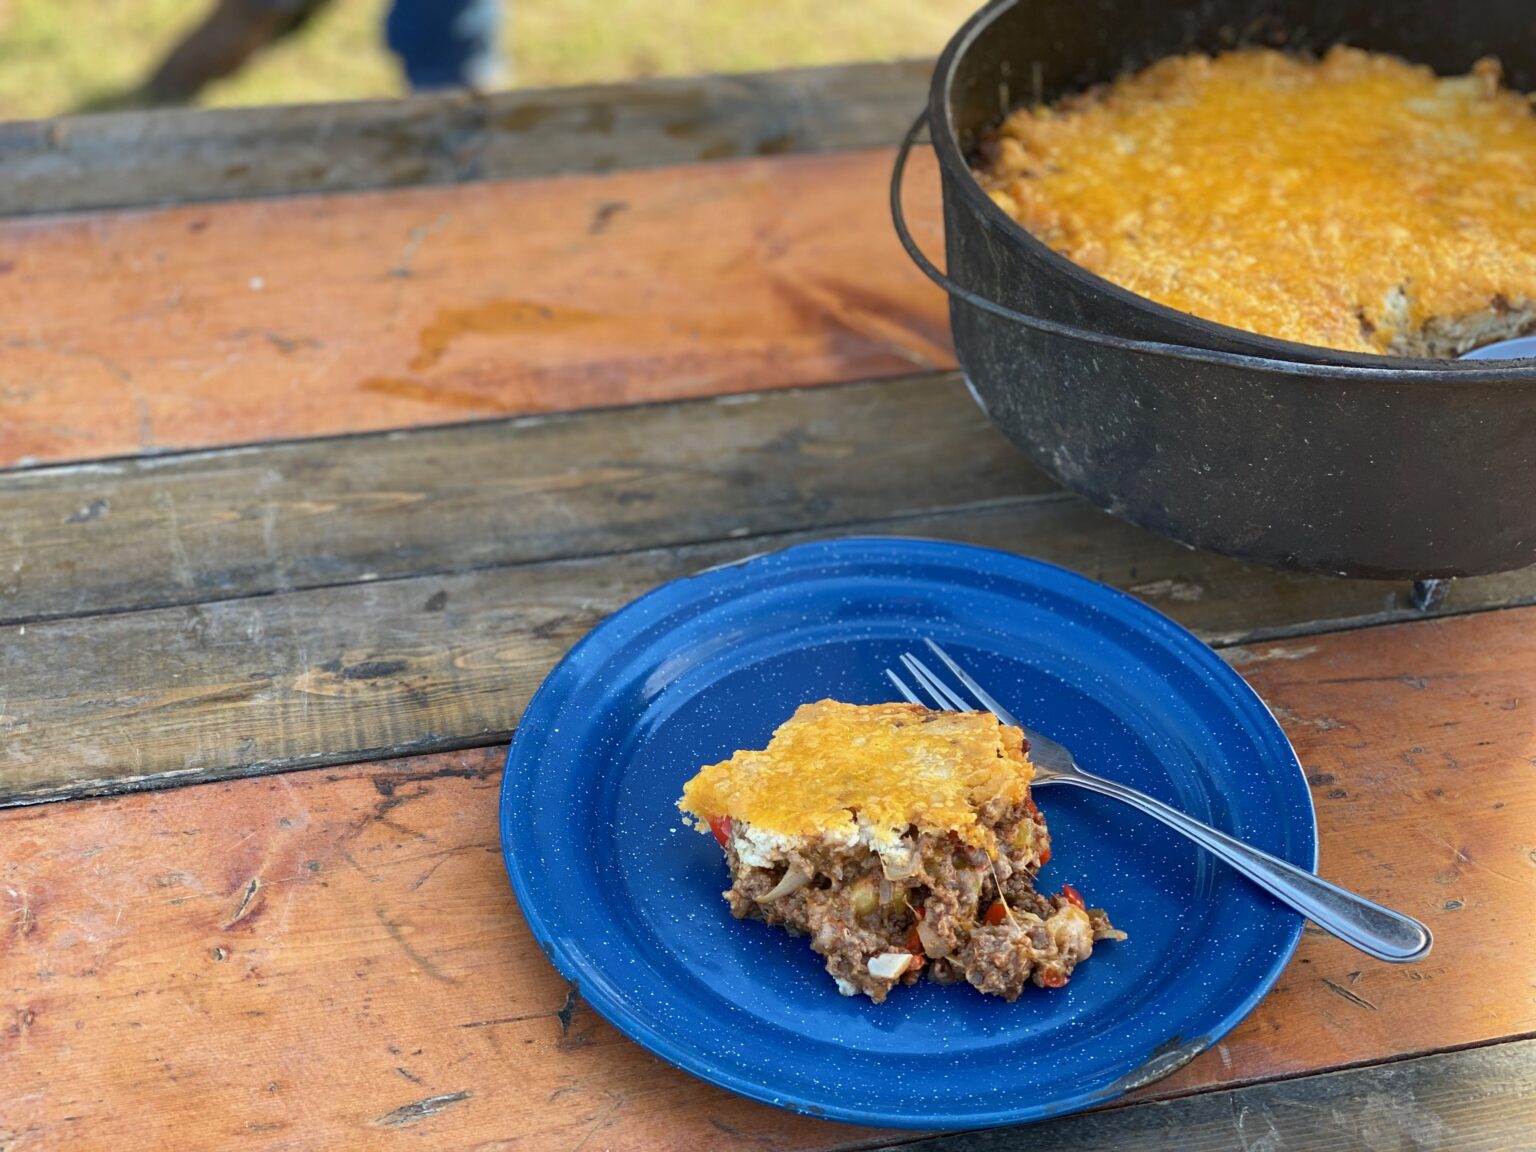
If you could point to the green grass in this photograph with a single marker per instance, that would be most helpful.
(57, 56)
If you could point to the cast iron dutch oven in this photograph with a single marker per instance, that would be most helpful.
(1266, 450)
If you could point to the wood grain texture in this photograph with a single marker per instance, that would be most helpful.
(337, 674)
(238, 322)
(134, 159)
(331, 958)
(1476, 1100)
(426, 603)
(243, 522)
(190, 528)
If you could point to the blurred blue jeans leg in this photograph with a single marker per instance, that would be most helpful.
(447, 43)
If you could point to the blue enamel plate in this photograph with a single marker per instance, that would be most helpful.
(625, 899)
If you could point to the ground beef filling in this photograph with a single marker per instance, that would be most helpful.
(957, 913)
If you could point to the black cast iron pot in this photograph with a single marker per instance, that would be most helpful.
(1273, 452)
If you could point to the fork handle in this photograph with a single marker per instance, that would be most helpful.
(1378, 931)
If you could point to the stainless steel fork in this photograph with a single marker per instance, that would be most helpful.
(1375, 930)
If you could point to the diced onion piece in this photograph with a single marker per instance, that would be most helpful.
(889, 965)
(933, 944)
(795, 878)
(895, 870)
(970, 889)
(887, 893)
(846, 987)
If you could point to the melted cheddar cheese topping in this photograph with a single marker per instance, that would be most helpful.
(835, 769)
(1352, 202)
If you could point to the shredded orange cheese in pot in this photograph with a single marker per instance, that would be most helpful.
(1357, 202)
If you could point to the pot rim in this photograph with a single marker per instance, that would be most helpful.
(1350, 365)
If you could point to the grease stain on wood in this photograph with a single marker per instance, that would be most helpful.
(496, 318)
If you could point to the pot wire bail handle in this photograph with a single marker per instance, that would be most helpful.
(1054, 327)
(936, 274)
(904, 234)
(975, 299)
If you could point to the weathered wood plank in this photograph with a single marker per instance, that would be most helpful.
(302, 960)
(97, 704)
(1477, 1100)
(332, 675)
(145, 532)
(239, 322)
(135, 159)
(340, 959)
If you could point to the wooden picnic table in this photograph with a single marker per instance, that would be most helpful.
(325, 431)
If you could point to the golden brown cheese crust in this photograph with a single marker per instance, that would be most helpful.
(894, 765)
(1358, 202)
